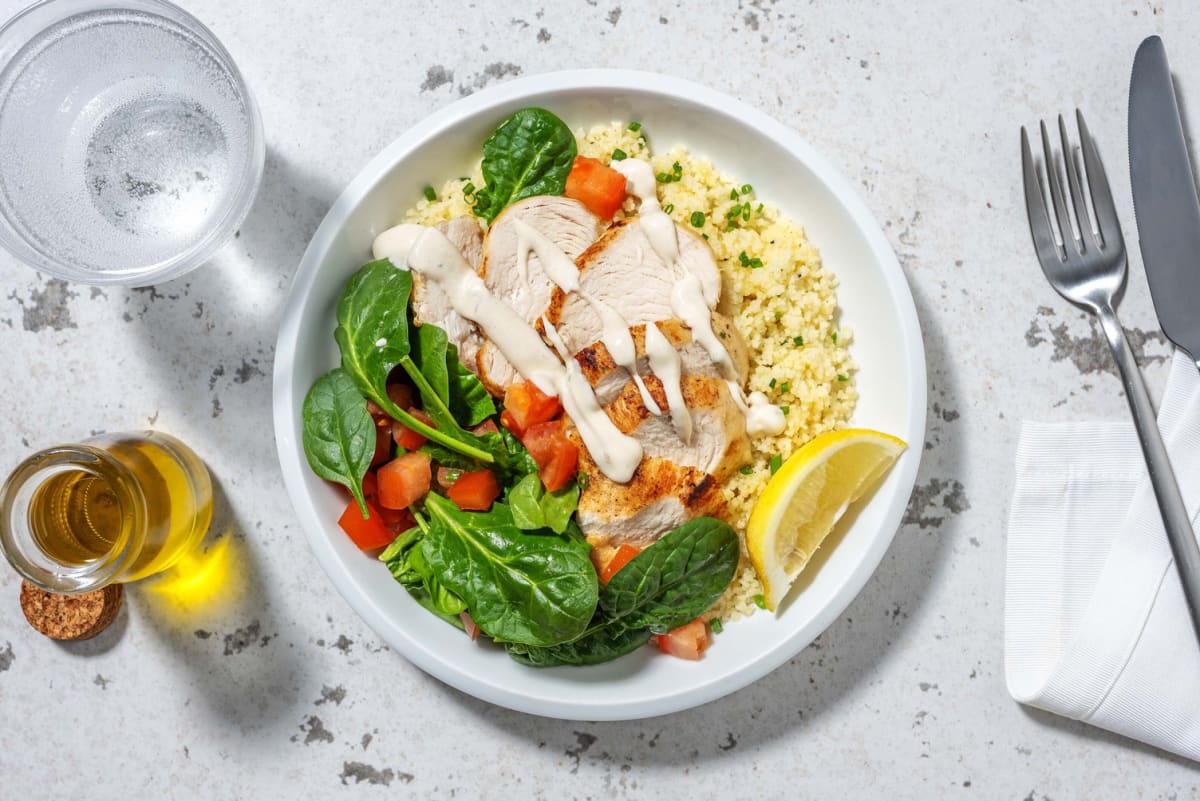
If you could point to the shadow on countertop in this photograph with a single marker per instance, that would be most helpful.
(808, 690)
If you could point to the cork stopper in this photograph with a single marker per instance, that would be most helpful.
(70, 617)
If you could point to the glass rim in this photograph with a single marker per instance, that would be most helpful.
(41, 15)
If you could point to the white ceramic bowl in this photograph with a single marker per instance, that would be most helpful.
(784, 170)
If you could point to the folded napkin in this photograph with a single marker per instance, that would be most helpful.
(1095, 624)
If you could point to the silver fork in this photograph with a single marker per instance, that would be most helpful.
(1086, 265)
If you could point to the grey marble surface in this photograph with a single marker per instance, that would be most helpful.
(279, 691)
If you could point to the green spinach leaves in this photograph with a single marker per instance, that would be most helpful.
(530, 154)
(338, 434)
(665, 586)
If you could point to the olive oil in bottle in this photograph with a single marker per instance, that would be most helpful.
(115, 508)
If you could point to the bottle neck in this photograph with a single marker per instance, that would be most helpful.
(72, 519)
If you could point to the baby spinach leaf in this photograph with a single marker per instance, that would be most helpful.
(602, 644)
(406, 564)
(674, 580)
(534, 508)
(373, 335)
(469, 399)
(526, 588)
(338, 433)
(530, 154)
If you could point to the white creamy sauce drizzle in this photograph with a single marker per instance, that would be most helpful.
(428, 252)
(690, 302)
(565, 274)
(666, 364)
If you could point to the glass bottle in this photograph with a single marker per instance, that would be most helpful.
(114, 508)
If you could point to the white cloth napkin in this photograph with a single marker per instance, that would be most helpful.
(1095, 624)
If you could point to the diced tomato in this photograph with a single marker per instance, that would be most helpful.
(597, 186)
(383, 444)
(407, 438)
(469, 625)
(400, 394)
(367, 534)
(404, 480)
(686, 642)
(619, 559)
(557, 457)
(475, 490)
(488, 426)
(447, 476)
(526, 405)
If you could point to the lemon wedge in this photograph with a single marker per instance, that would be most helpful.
(807, 496)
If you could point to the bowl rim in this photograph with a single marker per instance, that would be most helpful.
(286, 404)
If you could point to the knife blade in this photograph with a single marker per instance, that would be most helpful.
(1164, 197)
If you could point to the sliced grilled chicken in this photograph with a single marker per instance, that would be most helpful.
(660, 496)
(608, 378)
(431, 304)
(622, 270)
(565, 222)
(719, 444)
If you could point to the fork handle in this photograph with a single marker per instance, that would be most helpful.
(1170, 502)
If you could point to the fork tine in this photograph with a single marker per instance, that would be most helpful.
(1086, 239)
(1056, 194)
(1102, 201)
(1035, 206)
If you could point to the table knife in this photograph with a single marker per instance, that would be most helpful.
(1168, 224)
(1164, 197)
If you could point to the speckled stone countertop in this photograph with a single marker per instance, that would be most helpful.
(282, 692)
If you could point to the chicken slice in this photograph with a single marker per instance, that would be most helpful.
(622, 270)
(608, 378)
(431, 305)
(719, 444)
(565, 222)
(660, 497)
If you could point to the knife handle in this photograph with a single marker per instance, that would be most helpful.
(1176, 520)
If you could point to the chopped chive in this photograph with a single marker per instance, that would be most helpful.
(775, 463)
(778, 316)
(469, 189)
(677, 168)
(772, 384)
(760, 601)
(619, 155)
(670, 207)
(760, 208)
(746, 211)
(756, 262)
(798, 341)
(705, 237)
(785, 386)
(733, 195)
(697, 219)
(747, 189)
(663, 178)
(430, 195)
(715, 625)
(733, 212)
(843, 377)
(785, 409)
(744, 259)
(730, 226)
(746, 470)
(635, 126)
(833, 336)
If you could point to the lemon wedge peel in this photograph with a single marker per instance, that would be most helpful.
(807, 496)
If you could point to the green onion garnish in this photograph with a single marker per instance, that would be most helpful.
(697, 219)
(469, 189)
(663, 178)
(733, 195)
(619, 155)
(746, 470)
(747, 189)
(833, 336)
(760, 601)
(635, 126)
(756, 262)
(798, 341)
(772, 384)
(677, 168)
(785, 409)
(842, 377)
(430, 195)
(785, 386)
(670, 207)
(775, 463)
